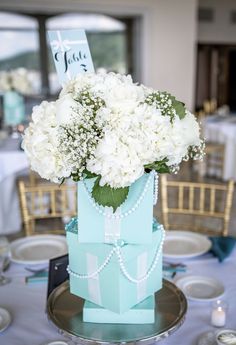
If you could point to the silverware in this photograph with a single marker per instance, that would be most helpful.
(171, 264)
(6, 265)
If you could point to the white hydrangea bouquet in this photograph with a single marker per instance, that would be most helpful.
(108, 127)
(15, 80)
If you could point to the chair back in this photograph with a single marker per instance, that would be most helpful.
(213, 162)
(200, 207)
(49, 202)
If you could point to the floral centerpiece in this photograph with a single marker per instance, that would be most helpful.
(107, 127)
(15, 80)
(112, 136)
(14, 84)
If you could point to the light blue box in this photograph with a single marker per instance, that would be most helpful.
(141, 313)
(107, 285)
(13, 108)
(134, 228)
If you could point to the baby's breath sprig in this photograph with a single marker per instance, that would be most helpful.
(167, 104)
(196, 152)
(78, 139)
(86, 99)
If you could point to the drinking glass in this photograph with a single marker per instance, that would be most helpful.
(4, 257)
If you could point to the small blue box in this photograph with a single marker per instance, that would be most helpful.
(133, 223)
(98, 275)
(142, 313)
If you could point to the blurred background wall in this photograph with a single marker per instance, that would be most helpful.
(186, 47)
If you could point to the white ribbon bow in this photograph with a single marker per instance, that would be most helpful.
(64, 45)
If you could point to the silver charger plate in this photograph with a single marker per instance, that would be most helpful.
(201, 288)
(185, 244)
(56, 342)
(65, 311)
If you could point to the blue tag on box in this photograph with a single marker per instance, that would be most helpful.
(71, 53)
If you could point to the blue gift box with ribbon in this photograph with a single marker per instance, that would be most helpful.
(114, 276)
(132, 221)
(13, 108)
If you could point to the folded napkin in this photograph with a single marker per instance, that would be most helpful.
(222, 246)
(37, 278)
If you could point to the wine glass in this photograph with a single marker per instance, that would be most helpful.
(4, 257)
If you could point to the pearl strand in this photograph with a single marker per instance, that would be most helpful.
(91, 275)
(155, 194)
(127, 213)
(150, 270)
(117, 250)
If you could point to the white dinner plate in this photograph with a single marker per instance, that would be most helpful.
(57, 342)
(200, 288)
(207, 338)
(38, 249)
(5, 319)
(185, 244)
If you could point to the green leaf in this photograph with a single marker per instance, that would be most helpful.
(161, 167)
(62, 181)
(179, 108)
(88, 174)
(107, 196)
(75, 178)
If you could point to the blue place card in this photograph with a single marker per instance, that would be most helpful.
(71, 53)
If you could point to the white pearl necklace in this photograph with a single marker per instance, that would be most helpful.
(91, 275)
(100, 209)
(156, 180)
(117, 250)
(151, 268)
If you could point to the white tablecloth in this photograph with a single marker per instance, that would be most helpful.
(223, 130)
(13, 162)
(30, 326)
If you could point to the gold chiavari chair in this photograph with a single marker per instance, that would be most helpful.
(196, 206)
(33, 178)
(47, 202)
(213, 105)
(207, 107)
(210, 106)
(213, 161)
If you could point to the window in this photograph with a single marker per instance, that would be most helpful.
(106, 37)
(19, 48)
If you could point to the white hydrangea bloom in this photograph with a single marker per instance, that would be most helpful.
(40, 143)
(106, 124)
(66, 108)
(120, 158)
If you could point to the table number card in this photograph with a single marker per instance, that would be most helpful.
(71, 53)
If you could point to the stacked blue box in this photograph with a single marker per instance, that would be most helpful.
(142, 313)
(132, 221)
(115, 276)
